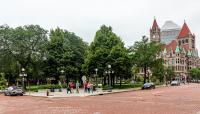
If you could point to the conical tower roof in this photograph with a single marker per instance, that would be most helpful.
(184, 31)
(155, 25)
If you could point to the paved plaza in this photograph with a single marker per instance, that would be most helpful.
(184, 99)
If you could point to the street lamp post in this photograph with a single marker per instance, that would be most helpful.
(96, 70)
(109, 72)
(23, 75)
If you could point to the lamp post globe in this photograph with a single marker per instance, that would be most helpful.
(23, 69)
(109, 66)
(62, 71)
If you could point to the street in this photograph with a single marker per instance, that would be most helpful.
(184, 99)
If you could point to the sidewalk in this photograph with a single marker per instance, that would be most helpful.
(43, 93)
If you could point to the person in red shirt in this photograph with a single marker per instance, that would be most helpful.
(71, 86)
(85, 87)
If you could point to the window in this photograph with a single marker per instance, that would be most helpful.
(192, 41)
(179, 42)
(183, 42)
(186, 41)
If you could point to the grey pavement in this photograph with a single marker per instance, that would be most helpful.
(43, 93)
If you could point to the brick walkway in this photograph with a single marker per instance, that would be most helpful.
(183, 99)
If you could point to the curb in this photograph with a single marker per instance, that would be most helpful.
(136, 89)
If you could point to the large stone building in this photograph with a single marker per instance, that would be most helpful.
(178, 45)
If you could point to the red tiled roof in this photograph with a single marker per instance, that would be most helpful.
(155, 25)
(186, 47)
(184, 31)
(172, 46)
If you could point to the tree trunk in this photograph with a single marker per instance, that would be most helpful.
(120, 81)
(113, 80)
(145, 74)
(67, 79)
(104, 79)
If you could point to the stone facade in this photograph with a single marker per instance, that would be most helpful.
(178, 45)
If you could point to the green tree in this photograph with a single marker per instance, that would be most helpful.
(195, 73)
(135, 70)
(145, 54)
(21, 47)
(8, 64)
(2, 81)
(59, 54)
(28, 44)
(107, 48)
(121, 62)
(78, 47)
(65, 52)
(170, 73)
(158, 70)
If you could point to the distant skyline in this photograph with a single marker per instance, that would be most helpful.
(129, 19)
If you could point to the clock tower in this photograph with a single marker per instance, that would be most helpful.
(155, 32)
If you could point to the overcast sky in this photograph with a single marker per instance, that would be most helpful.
(130, 19)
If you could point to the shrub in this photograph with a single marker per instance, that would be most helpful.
(48, 86)
(140, 79)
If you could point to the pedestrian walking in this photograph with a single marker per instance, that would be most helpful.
(88, 87)
(85, 87)
(68, 89)
(71, 85)
(91, 88)
(77, 87)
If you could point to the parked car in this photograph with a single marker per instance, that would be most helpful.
(148, 86)
(13, 90)
(175, 83)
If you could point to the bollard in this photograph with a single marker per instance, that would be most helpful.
(47, 92)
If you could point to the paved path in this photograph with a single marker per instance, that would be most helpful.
(43, 93)
(183, 99)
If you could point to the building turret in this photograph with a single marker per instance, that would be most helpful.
(155, 32)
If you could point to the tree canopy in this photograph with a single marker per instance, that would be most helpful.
(145, 54)
(195, 73)
(107, 48)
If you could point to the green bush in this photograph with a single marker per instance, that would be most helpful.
(2, 87)
(139, 79)
(48, 86)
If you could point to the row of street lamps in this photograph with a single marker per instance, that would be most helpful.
(109, 72)
(23, 74)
